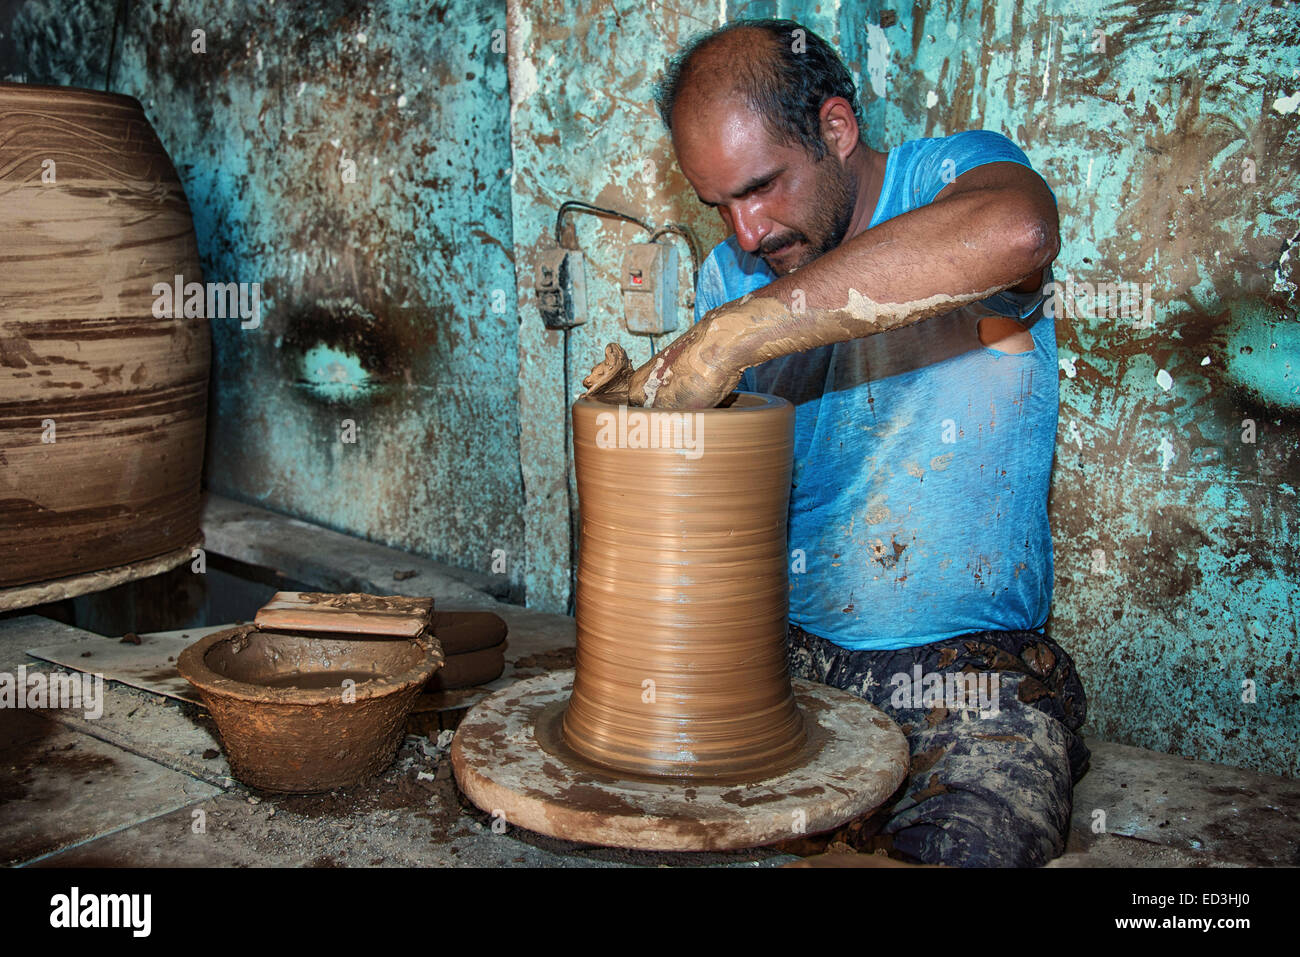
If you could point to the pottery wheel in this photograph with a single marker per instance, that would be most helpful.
(510, 760)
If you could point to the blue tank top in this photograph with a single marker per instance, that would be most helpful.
(922, 457)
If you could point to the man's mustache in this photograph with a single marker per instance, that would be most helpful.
(774, 244)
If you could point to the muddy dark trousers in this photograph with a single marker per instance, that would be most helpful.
(992, 721)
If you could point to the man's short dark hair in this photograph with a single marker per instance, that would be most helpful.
(785, 84)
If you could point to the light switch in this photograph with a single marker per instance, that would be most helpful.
(649, 284)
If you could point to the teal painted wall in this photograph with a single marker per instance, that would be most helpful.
(1171, 148)
(1176, 542)
(583, 127)
(388, 292)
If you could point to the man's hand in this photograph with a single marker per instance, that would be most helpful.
(697, 370)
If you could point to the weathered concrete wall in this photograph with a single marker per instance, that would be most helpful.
(1169, 136)
(584, 127)
(354, 161)
(1175, 539)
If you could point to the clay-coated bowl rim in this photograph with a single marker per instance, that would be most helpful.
(195, 670)
(768, 403)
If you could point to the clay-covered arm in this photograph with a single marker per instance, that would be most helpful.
(994, 228)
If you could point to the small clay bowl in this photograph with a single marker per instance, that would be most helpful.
(305, 713)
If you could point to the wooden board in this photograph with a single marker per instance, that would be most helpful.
(39, 593)
(149, 666)
(393, 616)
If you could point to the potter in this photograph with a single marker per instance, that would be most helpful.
(885, 293)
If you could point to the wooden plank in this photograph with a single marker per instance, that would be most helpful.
(391, 615)
(25, 596)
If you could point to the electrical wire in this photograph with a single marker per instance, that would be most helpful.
(692, 243)
(581, 207)
(568, 488)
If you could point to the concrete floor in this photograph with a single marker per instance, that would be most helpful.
(146, 784)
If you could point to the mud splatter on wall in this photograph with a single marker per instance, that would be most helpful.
(1164, 130)
(1168, 131)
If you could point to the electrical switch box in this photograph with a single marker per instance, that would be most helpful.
(561, 288)
(649, 283)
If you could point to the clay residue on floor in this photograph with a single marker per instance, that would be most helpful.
(560, 659)
(410, 783)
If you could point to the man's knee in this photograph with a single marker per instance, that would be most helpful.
(963, 843)
(986, 793)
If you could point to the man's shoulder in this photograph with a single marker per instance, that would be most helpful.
(962, 146)
(920, 169)
(963, 136)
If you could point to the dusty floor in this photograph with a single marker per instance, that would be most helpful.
(146, 783)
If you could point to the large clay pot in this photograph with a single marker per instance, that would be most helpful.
(102, 405)
(683, 590)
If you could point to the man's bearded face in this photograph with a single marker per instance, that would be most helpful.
(782, 204)
(823, 225)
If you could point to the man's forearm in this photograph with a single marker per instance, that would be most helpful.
(923, 263)
(931, 260)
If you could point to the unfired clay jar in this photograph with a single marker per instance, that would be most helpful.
(286, 718)
(682, 591)
(92, 216)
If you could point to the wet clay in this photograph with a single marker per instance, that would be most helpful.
(705, 363)
(469, 669)
(460, 632)
(286, 718)
(682, 591)
(102, 404)
(308, 680)
(475, 645)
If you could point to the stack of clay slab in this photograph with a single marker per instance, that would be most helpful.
(475, 645)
